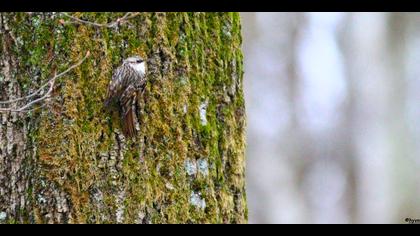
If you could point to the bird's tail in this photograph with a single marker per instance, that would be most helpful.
(128, 123)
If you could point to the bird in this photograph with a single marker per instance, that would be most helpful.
(127, 83)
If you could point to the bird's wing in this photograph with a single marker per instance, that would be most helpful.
(115, 85)
(123, 77)
(127, 100)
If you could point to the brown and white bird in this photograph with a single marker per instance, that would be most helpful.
(127, 82)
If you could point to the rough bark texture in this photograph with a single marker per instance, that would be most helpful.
(68, 162)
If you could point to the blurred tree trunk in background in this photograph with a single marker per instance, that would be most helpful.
(403, 163)
(68, 162)
(275, 139)
(379, 134)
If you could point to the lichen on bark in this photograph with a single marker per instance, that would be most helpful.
(77, 165)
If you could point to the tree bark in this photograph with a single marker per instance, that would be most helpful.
(67, 161)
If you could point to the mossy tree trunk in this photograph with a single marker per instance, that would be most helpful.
(68, 162)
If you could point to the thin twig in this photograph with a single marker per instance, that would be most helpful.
(23, 109)
(37, 108)
(123, 19)
(50, 82)
(39, 99)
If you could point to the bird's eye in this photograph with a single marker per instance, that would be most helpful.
(139, 61)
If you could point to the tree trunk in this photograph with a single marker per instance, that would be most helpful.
(67, 161)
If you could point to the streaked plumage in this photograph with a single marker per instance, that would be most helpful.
(127, 81)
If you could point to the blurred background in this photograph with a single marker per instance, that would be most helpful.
(333, 107)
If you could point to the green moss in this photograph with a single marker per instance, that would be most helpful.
(193, 56)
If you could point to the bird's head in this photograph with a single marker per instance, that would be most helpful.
(137, 63)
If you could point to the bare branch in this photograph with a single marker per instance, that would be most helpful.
(39, 99)
(50, 82)
(36, 108)
(25, 107)
(121, 20)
